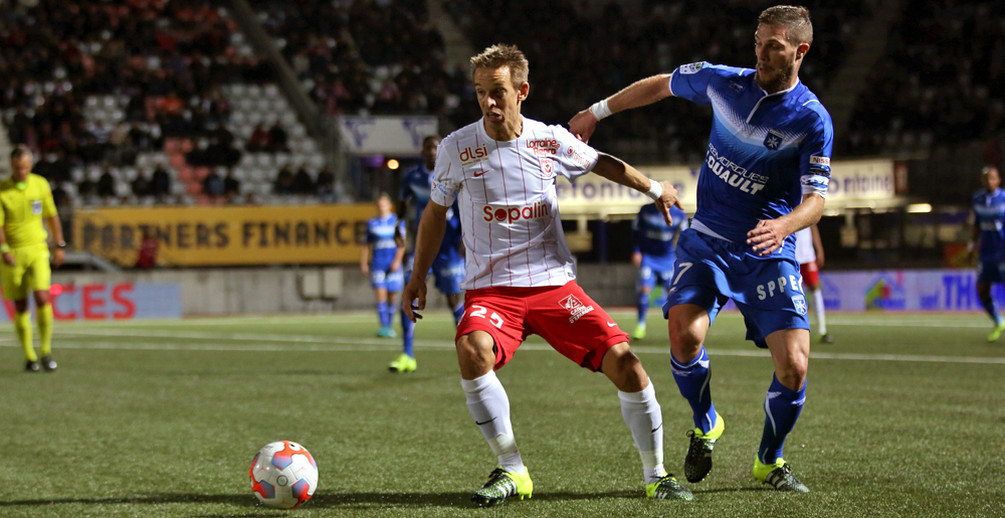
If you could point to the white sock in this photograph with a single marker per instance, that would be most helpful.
(818, 309)
(644, 418)
(489, 406)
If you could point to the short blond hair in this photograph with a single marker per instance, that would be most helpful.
(503, 55)
(795, 19)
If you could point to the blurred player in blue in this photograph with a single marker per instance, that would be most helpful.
(989, 238)
(381, 261)
(448, 267)
(654, 255)
(764, 177)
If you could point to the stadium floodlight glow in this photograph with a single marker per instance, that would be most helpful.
(393, 164)
(919, 208)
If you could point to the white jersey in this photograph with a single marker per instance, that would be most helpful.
(804, 246)
(509, 208)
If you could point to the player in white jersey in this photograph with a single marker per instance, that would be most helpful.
(810, 256)
(520, 273)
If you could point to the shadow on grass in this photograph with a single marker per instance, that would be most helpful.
(331, 500)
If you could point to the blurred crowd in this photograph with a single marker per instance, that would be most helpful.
(64, 63)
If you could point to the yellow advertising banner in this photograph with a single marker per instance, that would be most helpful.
(242, 235)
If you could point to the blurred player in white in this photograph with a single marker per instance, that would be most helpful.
(521, 275)
(810, 256)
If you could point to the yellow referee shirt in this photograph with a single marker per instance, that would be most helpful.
(23, 210)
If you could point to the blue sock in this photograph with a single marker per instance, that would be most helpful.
(643, 305)
(992, 310)
(781, 408)
(382, 314)
(693, 382)
(458, 313)
(407, 335)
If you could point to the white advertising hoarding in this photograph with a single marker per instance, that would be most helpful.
(386, 135)
(853, 182)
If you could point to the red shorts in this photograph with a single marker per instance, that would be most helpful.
(565, 316)
(811, 274)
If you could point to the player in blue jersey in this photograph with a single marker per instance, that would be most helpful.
(989, 238)
(764, 177)
(448, 267)
(381, 261)
(653, 255)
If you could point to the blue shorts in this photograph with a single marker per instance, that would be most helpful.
(650, 274)
(449, 272)
(767, 291)
(990, 271)
(392, 281)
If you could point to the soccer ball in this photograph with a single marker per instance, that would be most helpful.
(283, 475)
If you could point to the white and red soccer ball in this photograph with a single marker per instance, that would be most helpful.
(283, 475)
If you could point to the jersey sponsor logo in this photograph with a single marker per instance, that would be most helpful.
(820, 160)
(577, 156)
(778, 287)
(733, 174)
(544, 147)
(470, 156)
(575, 307)
(439, 186)
(513, 214)
(691, 68)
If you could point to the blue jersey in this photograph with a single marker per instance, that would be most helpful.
(654, 239)
(415, 186)
(380, 234)
(415, 190)
(765, 151)
(989, 216)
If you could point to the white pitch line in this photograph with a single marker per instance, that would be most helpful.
(202, 341)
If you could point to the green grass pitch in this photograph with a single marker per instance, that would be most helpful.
(905, 416)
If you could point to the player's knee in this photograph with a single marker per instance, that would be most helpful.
(792, 373)
(624, 368)
(684, 334)
(475, 352)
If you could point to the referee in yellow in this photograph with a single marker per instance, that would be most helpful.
(25, 200)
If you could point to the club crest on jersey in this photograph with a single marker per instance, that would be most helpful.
(576, 308)
(471, 156)
(799, 302)
(548, 167)
(773, 140)
(36, 207)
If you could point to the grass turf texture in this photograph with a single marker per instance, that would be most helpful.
(904, 417)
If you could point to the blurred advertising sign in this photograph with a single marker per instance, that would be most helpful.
(904, 290)
(223, 236)
(386, 135)
(113, 301)
(854, 183)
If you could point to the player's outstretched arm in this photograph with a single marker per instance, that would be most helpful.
(427, 243)
(769, 234)
(663, 193)
(640, 93)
